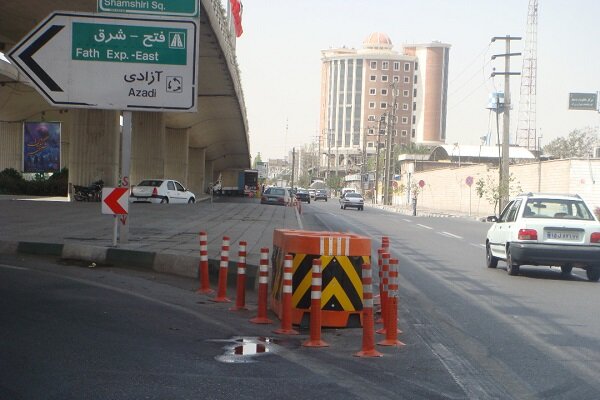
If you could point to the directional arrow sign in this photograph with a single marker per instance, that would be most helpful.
(117, 62)
(115, 201)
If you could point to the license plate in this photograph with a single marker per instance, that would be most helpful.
(562, 235)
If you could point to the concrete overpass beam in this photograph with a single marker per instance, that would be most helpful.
(147, 146)
(11, 150)
(177, 158)
(94, 147)
(196, 176)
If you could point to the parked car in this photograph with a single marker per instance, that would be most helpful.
(351, 199)
(303, 195)
(161, 191)
(545, 229)
(312, 192)
(321, 194)
(276, 195)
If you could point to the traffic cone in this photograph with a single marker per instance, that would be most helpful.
(203, 274)
(223, 267)
(368, 339)
(240, 296)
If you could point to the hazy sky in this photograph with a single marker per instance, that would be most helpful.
(279, 56)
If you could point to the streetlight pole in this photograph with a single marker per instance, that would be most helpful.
(381, 121)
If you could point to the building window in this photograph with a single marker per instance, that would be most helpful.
(414, 119)
(405, 93)
(404, 120)
(395, 132)
(384, 92)
(396, 105)
(414, 106)
(383, 104)
(406, 67)
(406, 79)
(396, 78)
(404, 132)
(371, 104)
(373, 78)
(405, 106)
(373, 64)
(415, 92)
(385, 65)
(416, 65)
(396, 66)
(384, 78)
(415, 80)
(372, 92)
(370, 144)
(371, 118)
(413, 133)
(371, 131)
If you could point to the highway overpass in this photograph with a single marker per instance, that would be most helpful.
(190, 147)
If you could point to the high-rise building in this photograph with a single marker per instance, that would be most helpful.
(360, 88)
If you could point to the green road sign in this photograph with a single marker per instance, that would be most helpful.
(180, 8)
(129, 43)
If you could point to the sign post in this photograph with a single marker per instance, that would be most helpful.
(117, 62)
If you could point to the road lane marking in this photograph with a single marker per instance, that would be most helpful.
(13, 267)
(407, 220)
(478, 245)
(450, 234)
(424, 226)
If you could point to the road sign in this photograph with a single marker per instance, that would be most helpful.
(583, 101)
(120, 63)
(180, 8)
(469, 180)
(115, 201)
(421, 183)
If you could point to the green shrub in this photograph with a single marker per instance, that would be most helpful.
(12, 182)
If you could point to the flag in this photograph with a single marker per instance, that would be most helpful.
(236, 10)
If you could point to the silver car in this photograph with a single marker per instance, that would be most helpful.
(352, 200)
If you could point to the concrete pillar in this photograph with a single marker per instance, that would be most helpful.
(147, 146)
(94, 147)
(208, 172)
(11, 145)
(65, 138)
(176, 155)
(196, 179)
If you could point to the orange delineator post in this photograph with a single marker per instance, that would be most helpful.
(224, 265)
(263, 283)
(385, 242)
(380, 273)
(240, 296)
(385, 267)
(391, 334)
(368, 339)
(203, 275)
(315, 308)
(286, 318)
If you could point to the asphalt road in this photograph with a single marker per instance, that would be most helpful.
(532, 336)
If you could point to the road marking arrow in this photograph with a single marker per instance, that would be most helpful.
(113, 201)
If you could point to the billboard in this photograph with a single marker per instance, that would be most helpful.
(41, 147)
(583, 101)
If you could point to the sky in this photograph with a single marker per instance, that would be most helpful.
(279, 56)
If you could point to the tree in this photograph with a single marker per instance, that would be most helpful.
(493, 192)
(257, 160)
(579, 143)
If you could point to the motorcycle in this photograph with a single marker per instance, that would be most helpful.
(92, 192)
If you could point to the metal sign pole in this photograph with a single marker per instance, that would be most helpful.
(125, 164)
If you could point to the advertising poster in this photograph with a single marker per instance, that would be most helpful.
(41, 147)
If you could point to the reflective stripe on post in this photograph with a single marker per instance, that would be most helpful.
(385, 267)
(286, 304)
(223, 267)
(391, 334)
(263, 286)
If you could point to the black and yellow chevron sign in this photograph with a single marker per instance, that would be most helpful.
(342, 285)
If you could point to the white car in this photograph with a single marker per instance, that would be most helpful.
(352, 200)
(161, 191)
(545, 229)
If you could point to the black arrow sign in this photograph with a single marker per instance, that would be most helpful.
(27, 57)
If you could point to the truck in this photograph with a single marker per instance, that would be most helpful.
(237, 182)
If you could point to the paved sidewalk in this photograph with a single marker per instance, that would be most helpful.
(164, 238)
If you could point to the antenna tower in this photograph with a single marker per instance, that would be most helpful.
(526, 129)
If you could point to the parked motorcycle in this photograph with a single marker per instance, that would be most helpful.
(92, 192)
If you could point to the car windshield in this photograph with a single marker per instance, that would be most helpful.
(353, 195)
(277, 191)
(154, 183)
(557, 209)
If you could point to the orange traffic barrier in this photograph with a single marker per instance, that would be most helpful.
(383, 287)
(203, 275)
(286, 319)
(263, 283)
(391, 334)
(315, 308)
(342, 256)
(223, 267)
(240, 296)
(368, 339)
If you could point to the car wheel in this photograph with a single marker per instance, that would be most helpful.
(308, 202)
(490, 260)
(191, 200)
(165, 200)
(325, 200)
(361, 209)
(593, 274)
(566, 269)
(511, 267)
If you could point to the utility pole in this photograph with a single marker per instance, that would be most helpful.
(381, 121)
(389, 163)
(293, 166)
(503, 185)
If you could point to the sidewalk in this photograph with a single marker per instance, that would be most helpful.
(164, 238)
